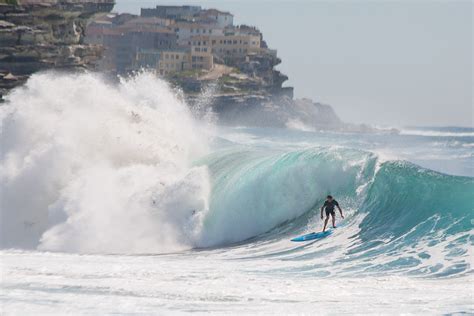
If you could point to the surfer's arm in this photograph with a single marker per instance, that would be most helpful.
(322, 209)
(340, 211)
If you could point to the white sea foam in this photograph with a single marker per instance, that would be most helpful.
(298, 125)
(432, 133)
(88, 166)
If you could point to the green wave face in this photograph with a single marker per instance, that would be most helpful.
(257, 190)
(404, 195)
(395, 207)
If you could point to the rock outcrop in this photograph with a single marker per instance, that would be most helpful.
(44, 34)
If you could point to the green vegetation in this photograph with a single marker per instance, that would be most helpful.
(13, 2)
(188, 73)
(226, 79)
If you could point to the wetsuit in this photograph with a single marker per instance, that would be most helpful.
(329, 206)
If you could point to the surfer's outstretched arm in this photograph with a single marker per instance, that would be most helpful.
(322, 209)
(340, 211)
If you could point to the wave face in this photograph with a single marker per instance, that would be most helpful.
(400, 217)
(92, 167)
(255, 191)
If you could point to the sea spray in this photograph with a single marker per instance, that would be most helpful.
(88, 166)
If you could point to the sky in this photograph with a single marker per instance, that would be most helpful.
(388, 63)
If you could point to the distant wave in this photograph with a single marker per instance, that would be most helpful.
(436, 133)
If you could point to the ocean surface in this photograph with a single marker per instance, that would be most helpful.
(121, 199)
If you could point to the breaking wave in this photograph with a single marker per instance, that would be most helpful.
(93, 167)
(88, 166)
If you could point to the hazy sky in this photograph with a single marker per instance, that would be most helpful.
(379, 62)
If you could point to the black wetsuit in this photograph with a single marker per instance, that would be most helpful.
(329, 206)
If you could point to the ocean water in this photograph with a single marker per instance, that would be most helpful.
(121, 199)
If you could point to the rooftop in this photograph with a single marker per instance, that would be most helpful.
(215, 12)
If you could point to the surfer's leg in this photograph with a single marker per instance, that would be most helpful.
(325, 223)
(333, 220)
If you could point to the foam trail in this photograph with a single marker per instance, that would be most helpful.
(92, 167)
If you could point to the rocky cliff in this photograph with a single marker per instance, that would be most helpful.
(43, 34)
(252, 94)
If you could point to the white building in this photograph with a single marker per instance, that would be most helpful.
(220, 18)
(186, 30)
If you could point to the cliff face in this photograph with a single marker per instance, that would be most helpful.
(251, 94)
(43, 34)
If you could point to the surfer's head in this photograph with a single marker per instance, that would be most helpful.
(329, 197)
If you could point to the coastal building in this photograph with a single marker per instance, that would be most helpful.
(219, 18)
(242, 30)
(148, 22)
(176, 38)
(181, 59)
(201, 57)
(119, 54)
(231, 48)
(185, 12)
(123, 44)
(156, 38)
(172, 61)
(147, 59)
(186, 30)
(95, 32)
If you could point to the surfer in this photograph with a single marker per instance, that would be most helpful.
(329, 205)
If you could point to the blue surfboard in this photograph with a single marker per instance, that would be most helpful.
(313, 236)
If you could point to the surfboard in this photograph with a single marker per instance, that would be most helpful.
(313, 236)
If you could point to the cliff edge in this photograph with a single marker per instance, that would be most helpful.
(44, 34)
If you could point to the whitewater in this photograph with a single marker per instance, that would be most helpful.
(120, 198)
